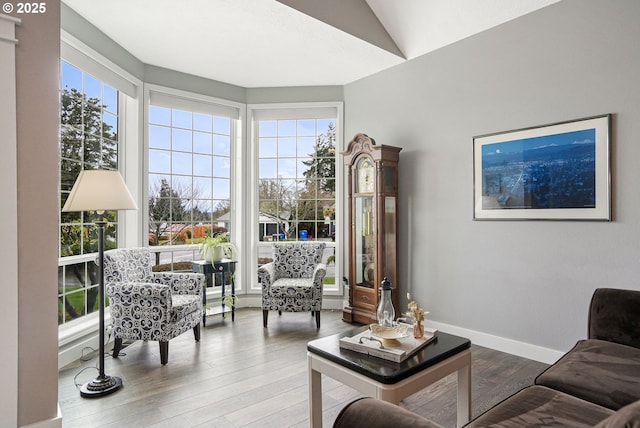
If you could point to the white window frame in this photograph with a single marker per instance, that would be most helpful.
(74, 335)
(179, 99)
(306, 110)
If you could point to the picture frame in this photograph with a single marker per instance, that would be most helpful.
(559, 171)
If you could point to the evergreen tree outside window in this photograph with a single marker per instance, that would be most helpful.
(88, 140)
(297, 179)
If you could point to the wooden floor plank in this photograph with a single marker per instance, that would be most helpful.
(242, 375)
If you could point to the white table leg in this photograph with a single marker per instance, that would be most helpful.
(464, 394)
(315, 397)
(393, 393)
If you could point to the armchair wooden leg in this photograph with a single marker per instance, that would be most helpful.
(164, 352)
(317, 319)
(265, 316)
(196, 332)
(117, 346)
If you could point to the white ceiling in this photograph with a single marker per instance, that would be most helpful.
(265, 43)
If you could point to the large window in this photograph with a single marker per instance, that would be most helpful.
(296, 179)
(297, 186)
(88, 140)
(190, 158)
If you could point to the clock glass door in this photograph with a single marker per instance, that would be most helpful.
(364, 239)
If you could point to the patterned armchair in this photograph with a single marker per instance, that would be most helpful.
(148, 305)
(293, 281)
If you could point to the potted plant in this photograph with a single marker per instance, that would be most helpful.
(229, 299)
(218, 247)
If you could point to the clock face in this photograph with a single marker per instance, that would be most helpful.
(365, 176)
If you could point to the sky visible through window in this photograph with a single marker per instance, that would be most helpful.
(189, 175)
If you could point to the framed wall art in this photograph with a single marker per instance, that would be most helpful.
(552, 172)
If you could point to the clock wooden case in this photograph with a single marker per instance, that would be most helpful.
(372, 171)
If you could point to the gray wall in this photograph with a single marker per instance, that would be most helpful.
(521, 280)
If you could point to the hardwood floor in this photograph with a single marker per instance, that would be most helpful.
(241, 375)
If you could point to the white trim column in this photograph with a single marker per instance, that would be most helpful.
(9, 217)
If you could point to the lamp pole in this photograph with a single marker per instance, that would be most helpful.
(103, 384)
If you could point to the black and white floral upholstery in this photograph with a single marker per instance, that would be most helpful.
(148, 305)
(293, 281)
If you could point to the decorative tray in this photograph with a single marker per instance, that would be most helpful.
(403, 344)
(390, 336)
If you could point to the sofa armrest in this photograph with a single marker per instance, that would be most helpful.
(371, 413)
(626, 417)
(614, 316)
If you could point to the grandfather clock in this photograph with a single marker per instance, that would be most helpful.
(373, 221)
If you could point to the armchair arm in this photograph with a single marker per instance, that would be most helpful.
(137, 300)
(181, 282)
(266, 275)
(614, 316)
(318, 275)
(371, 413)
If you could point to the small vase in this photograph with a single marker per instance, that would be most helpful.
(418, 330)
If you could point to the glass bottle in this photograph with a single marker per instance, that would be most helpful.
(386, 313)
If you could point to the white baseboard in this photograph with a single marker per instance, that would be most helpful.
(73, 352)
(82, 347)
(49, 423)
(510, 346)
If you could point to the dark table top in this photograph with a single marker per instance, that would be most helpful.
(205, 266)
(387, 372)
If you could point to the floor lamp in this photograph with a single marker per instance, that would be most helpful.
(100, 190)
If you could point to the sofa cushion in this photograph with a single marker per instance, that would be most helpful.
(627, 417)
(541, 406)
(598, 371)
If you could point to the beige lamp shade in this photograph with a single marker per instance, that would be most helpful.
(99, 190)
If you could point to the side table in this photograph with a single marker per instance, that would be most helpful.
(388, 380)
(209, 269)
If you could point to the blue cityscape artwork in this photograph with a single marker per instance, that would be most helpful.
(547, 172)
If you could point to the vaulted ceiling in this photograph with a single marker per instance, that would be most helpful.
(269, 43)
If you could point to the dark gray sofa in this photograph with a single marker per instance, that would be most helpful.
(597, 383)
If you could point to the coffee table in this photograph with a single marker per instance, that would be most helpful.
(388, 380)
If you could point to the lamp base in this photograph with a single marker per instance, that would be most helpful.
(100, 386)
